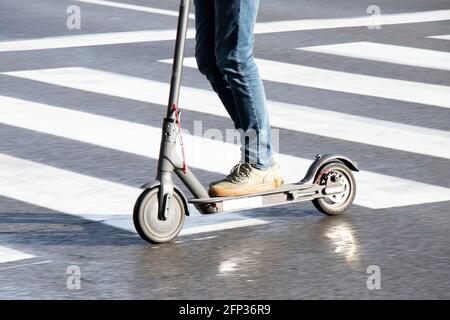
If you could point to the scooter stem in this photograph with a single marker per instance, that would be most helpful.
(177, 67)
(166, 156)
(169, 161)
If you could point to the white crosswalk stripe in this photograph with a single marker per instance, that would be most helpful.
(90, 198)
(112, 38)
(126, 6)
(86, 40)
(364, 21)
(402, 90)
(294, 117)
(415, 57)
(306, 24)
(375, 190)
(11, 255)
(441, 37)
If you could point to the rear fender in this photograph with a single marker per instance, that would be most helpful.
(322, 160)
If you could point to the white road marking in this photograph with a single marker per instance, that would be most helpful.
(133, 7)
(261, 28)
(27, 265)
(293, 117)
(306, 24)
(384, 19)
(360, 129)
(88, 197)
(387, 53)
(10, 255)
(63, 190)
(195, 223)
(441, 37)
(402, 90)
(86, 40)
(375, 190)
(222, 226)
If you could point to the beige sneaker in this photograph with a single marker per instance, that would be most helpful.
(245, 179)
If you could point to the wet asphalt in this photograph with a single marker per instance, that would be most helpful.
(299, 253)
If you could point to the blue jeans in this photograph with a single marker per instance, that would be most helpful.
(224, 54)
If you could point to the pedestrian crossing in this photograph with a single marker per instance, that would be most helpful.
(89, 197)
(386, 88)
(315, 121)
(101, 200)
(89, 40)
(132, 138)
(441, 37)
(305, 24)
(414, 57)
(384, 19)
(9, 255)
(133, 7)
(114, 38)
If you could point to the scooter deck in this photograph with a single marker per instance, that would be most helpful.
(289, 187)
(288, 193)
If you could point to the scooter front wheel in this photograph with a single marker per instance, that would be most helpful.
(147, 222)
(337, 203)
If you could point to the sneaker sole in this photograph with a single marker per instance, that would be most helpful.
(221, 192)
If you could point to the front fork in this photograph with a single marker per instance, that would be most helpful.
(169, 162)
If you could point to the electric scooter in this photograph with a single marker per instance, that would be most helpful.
(160, 210)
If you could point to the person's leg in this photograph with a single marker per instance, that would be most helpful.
(234, 24)
(206, 59)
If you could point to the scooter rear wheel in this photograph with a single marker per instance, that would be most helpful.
(336, 204)
(147, 222)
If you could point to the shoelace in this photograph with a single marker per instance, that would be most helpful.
(239, 172)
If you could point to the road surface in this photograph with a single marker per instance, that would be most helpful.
(81, 104)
